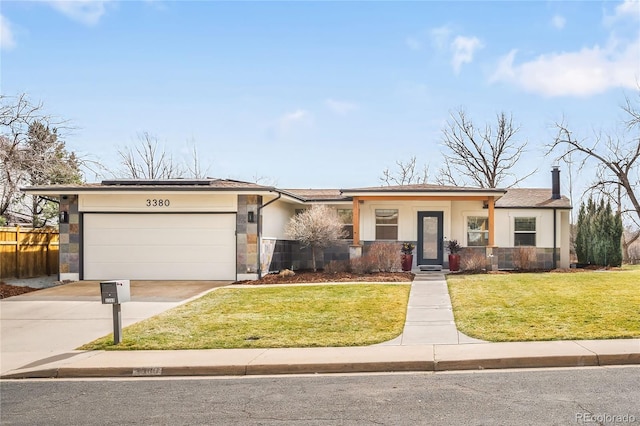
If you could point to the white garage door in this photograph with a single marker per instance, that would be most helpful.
(159, 246)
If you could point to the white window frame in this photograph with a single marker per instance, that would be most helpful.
(466, 231)
(396, 225)
(535, 232)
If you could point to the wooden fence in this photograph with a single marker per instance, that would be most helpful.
(27, 252)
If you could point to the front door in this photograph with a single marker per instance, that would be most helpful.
(429, 238)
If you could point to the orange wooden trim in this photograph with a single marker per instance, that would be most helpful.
(492, 204)
(423, 198)
(356, 221)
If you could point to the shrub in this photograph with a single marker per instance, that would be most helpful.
(337, 266)
(361, 265)
(473, 261)
(385, 257)
(523, 258)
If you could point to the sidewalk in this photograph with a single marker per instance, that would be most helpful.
(429, 342)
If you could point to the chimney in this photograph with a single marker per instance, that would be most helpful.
(555, 183)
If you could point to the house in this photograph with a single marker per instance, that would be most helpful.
(216, 229)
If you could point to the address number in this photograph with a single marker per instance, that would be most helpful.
(155, 202)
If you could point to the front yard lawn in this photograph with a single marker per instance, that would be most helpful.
(547, 306)
(273, 317)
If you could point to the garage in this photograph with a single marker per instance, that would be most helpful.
(159, 246)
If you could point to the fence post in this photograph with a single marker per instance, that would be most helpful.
(18, 251)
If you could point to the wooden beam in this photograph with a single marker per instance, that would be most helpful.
(423, 198)
(356, 221)
(492, 228)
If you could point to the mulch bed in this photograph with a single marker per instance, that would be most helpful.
(322, 277)
(7, 290)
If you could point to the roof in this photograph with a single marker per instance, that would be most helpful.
(532, 197)
(424, 187)
(317, 194)
(154, 184)
(506, 198)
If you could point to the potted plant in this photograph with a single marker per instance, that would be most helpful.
(454, 258)
(407, 256)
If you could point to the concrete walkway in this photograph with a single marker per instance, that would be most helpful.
(430, 315)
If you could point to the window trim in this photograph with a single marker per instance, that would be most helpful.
(467, 231)
(534, 232)
(389, 225)
(345, 224)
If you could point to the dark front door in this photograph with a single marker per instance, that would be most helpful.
(429, 238)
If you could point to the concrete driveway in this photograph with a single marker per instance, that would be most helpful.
(44, 324)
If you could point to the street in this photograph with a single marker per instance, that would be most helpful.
(595, 395)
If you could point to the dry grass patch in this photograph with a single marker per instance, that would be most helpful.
(274, 317)
(548, 306)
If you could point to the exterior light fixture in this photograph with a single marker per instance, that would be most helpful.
(251, 217)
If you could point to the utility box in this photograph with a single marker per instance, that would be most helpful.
(115, 292)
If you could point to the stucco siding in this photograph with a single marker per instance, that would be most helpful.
(275, 217)
(158, 202)
(407, 217)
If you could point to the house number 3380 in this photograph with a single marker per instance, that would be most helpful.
(155, 202)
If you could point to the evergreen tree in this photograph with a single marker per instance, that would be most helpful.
(599, 233)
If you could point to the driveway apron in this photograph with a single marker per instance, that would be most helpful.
(54, 321)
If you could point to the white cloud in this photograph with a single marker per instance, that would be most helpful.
(626, 9)
(558, 22)
(440, 37)
(463, 51)
(340, 107)
(585, 72)
(290, 119)
(6, 35)
(87, 12)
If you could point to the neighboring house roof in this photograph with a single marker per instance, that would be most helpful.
(532, 197)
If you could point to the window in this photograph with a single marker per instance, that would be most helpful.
(525, 231)
(477, 231)
(386, 224)
(346, 216)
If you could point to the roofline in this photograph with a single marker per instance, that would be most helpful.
(369, 191)
(535, 207)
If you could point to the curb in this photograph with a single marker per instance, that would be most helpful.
(427, 358)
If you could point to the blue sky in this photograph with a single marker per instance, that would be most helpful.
(318, 94)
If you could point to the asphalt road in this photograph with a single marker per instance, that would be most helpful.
(530, 397)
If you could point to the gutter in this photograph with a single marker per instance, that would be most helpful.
(555, 230)
(259, 222)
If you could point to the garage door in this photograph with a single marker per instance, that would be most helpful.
(159, 246)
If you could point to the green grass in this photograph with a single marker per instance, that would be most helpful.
(274, 317)
(548, 306)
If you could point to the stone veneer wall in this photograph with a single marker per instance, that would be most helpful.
(70, 240)
(288, 254)
(505, 256)
(247, 237)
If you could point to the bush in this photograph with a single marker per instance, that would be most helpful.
(473, 261)
(385, 257)
(337, 266)
(523, 258)
(361, 265)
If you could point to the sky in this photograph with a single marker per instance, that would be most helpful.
(319, 94)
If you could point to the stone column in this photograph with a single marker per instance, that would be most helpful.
(69, 246)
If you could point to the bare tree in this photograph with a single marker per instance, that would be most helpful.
(317, 227)
(405, 174)
(483, 157)
(617, 164)
(148, 161)
(195, 168)
(32, 153)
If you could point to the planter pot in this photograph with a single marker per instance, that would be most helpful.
(454, 262)
(407, 262)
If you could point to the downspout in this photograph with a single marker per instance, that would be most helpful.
(555, 214)
(259, 222)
